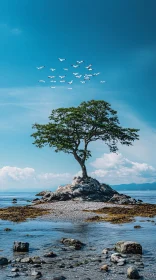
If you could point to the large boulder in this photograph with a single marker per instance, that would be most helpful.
(128, 247)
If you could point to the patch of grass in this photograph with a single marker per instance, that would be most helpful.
(119, 215)
(20, 213)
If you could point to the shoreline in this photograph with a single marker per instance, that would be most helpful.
(73, 211)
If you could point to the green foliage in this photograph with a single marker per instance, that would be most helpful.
(71, 129)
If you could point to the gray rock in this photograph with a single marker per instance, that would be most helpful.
(26, 260)
(14, 269)
(133, 273)
(121, 263)
(50, 255)
(128, 247)
(21, 246)
(105, 251)
(37, 260)
(36, 273)
(18, 260)
(3, 261)
(123, 199)
(76, 244)
(42, 193)
(117, 258)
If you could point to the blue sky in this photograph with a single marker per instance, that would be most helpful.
(118, 38)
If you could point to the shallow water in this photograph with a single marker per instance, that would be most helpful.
(44, 235)
(23, 198)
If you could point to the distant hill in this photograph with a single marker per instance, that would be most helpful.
(135, 187)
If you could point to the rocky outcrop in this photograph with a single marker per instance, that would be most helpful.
(128, 247)
(87, 190)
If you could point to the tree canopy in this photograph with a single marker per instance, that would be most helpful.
(70, 130)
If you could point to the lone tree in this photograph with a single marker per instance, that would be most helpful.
(72, 129)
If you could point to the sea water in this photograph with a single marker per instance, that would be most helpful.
(44, 235)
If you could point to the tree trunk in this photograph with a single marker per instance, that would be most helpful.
(84, 171)
(83, 167)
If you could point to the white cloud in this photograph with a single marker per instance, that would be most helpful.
(16, 173)
(15, 178)
(110, 168)
(116, 169)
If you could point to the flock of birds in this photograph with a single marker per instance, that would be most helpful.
(84, 78)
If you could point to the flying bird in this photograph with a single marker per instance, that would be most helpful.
(96, 74)
(83, 82)
(65, 69)
(51, 77)
(52, 69)
(86, 78)
(70, 82)
(40, 67)
(88, 66)
(52, 81)
(62, 81)
(90, 69)
(61, 59)
(78, 76)
(41, 81)
(75, 66)
(62, 77)
(102, 82)
(75, 74)
(81, 61)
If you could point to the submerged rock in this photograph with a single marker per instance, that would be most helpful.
(50, 255)
(128, 247)
(21, 246)
(88, 189)
(7, 229)
(3, 261)
(76, 244)
(14, 200)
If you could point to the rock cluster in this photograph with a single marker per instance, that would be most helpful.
(108, 263)
(87, 190)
